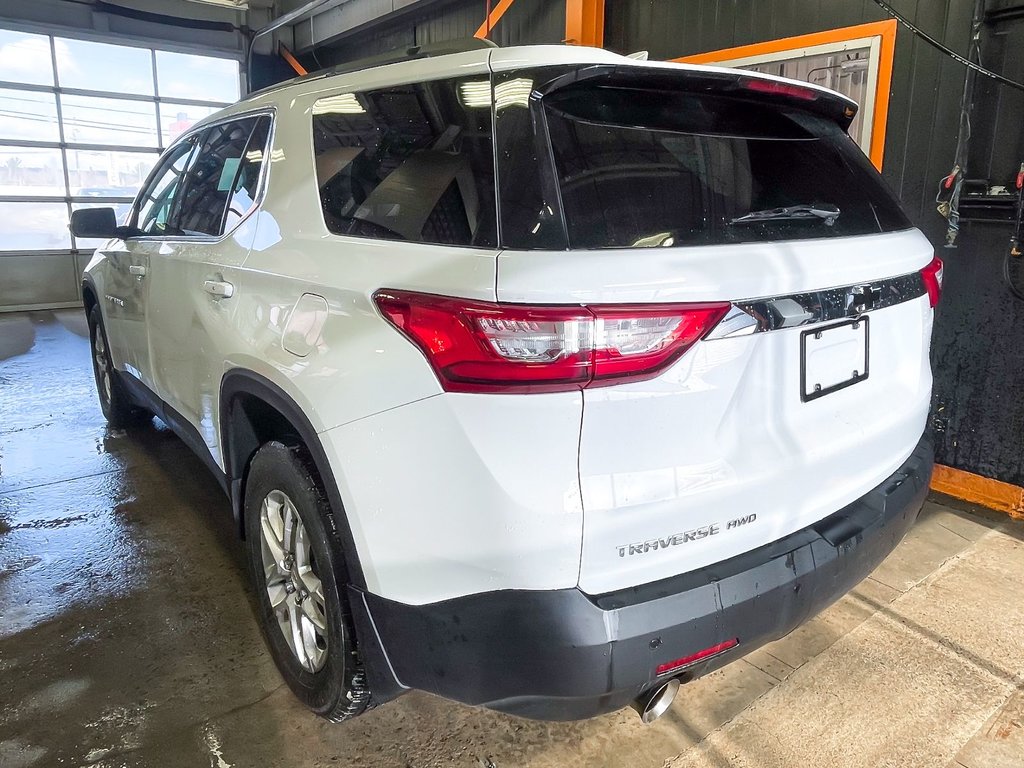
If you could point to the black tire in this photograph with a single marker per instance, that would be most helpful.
(336, 690)
(117, 407)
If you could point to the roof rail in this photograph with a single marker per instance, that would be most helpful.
(389, 57)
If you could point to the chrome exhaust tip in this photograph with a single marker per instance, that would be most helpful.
(655, 702)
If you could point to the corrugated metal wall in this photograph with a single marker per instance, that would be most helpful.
(526, 21)
(926, 84)
(978, 404)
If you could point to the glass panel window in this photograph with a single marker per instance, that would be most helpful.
(28, 115)
(112, 139)
(409, 163)
(108, 173)
(104, 67)
(31, 171)
(206, 78)
(157, 202)
(640, 163)
(122, 210)
(93, 120)
(25, 58)
(212, 178)
(246, 182)
(34, 227)
(175, 119)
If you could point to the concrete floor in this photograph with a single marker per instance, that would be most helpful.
(127, 636)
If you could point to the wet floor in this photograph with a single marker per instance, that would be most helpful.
(127, 634)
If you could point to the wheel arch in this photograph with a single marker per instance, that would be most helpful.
(253, 409)
(90, 296)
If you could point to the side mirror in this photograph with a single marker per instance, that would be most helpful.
(95, 222)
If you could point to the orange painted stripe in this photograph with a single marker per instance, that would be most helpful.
(976, 489)
(884, 29)
(287, 56)
(496, 13)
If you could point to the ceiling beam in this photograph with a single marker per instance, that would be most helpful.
(348, 17)
(137, 22)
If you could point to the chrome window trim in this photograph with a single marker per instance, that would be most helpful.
(798, 310)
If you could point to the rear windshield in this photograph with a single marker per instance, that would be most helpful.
(636, 167)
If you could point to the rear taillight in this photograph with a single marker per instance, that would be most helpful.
(932, 276)
(477, 346)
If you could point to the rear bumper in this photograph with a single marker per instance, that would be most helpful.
(563, 654)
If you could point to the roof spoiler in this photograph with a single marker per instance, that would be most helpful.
(732, 82)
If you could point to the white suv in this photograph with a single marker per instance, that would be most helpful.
(539, 378)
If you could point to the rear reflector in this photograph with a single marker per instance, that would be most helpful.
(477, 346)
(932, 276)
(693, 658)
(780, 89)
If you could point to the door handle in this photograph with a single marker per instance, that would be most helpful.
(219, 288)
(137, 269)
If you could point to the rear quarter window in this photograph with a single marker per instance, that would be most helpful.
(412, 163)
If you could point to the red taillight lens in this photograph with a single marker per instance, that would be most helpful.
(477, 346)
(780, 89)
(932, 276)
(693, 658)
(635, 341)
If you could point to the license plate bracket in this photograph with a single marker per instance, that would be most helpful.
(833, 358)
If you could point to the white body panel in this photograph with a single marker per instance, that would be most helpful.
(191, 332)
(123, 303)
(707, 273)
(453, 494)
(462, 493)
(361, 366)
(724, 434)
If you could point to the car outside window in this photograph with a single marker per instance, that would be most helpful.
(221, 183)
(413, 163)
(207, 182)
(157, 199)
(246, 182)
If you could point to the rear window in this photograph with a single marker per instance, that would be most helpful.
(636, 167)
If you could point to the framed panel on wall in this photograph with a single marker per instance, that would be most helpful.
(855, 61)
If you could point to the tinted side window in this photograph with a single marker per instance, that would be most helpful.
(527, 186)
(158, 198)
(246, 182)
(412, 163)
(211, 181)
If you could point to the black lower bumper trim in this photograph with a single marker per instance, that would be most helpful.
(562, 654)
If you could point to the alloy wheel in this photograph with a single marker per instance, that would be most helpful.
(102, 361)
(295, 590)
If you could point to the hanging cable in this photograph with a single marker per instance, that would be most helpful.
(949, 188)
(963, 140)
(948, 51)
(1011, 285)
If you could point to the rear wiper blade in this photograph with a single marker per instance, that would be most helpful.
(823, 211)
